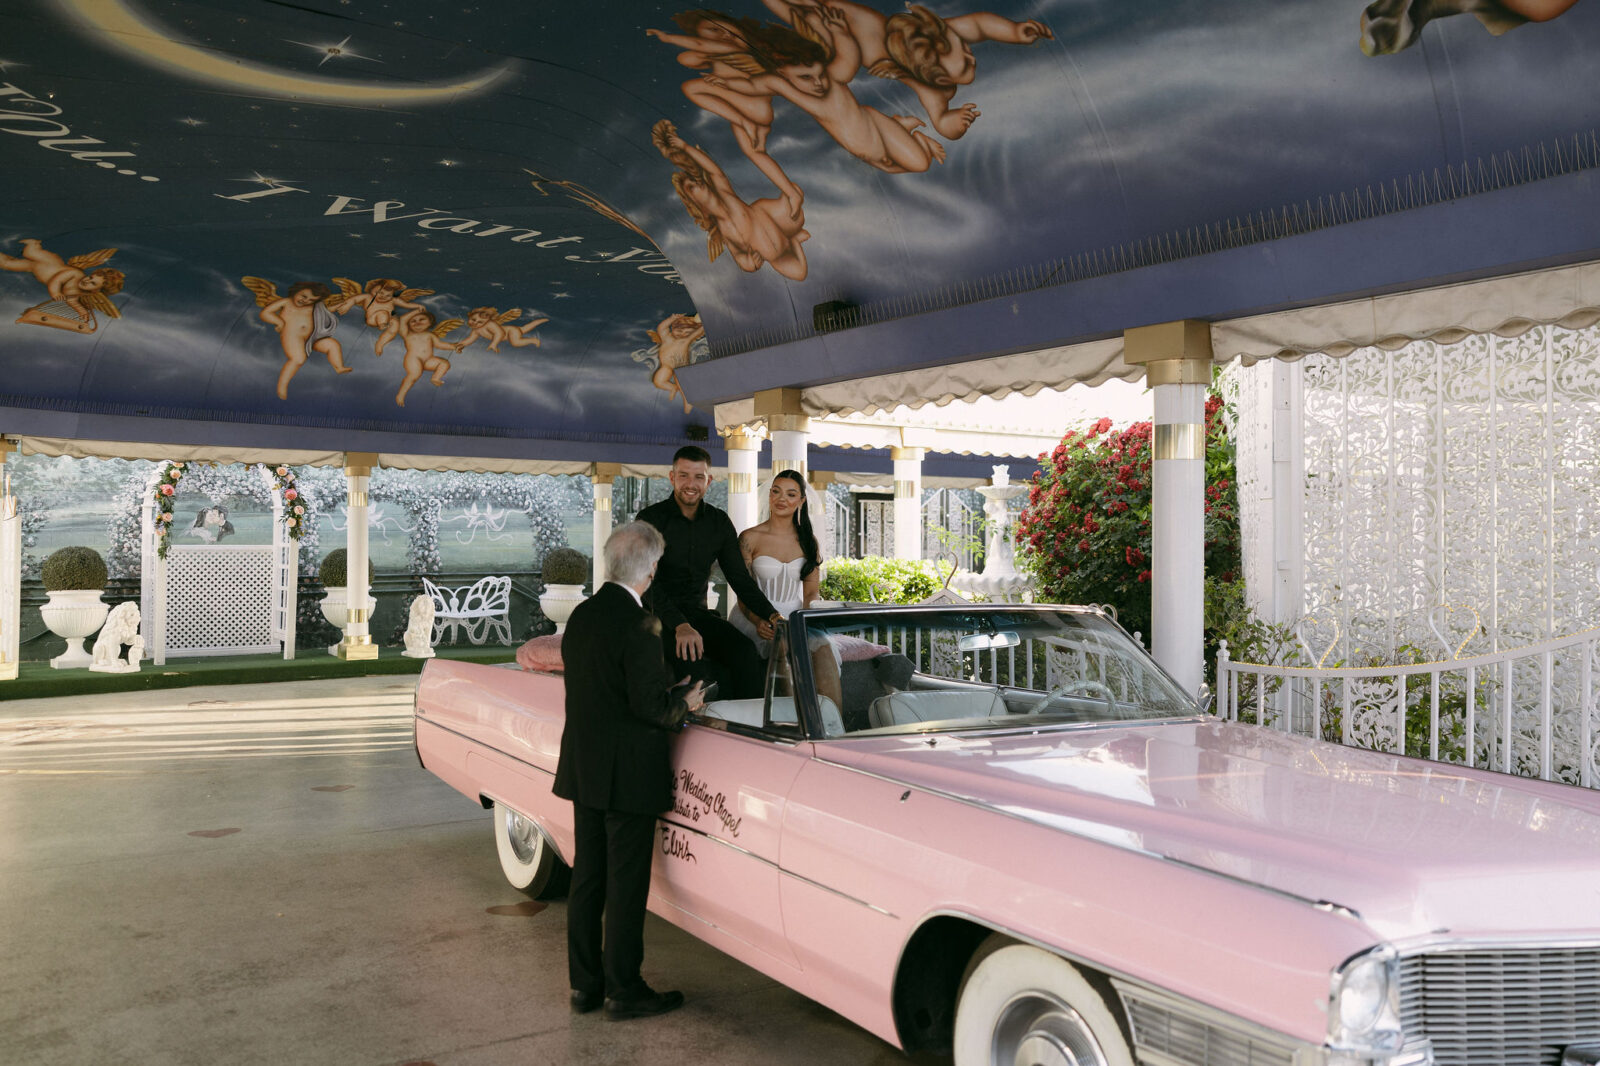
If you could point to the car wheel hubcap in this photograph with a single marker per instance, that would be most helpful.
(523, 837)
(1037, 1029)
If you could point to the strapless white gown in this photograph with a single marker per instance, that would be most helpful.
(781, 584)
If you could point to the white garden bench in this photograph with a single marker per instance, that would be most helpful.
(480, 608)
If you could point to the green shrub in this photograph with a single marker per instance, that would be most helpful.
(565, 566)
(74, 568)
(334, 573)
(876, 579)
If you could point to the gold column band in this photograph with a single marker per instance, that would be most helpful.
(358, 499)
(741, 482)
(796, 465)
(602, 503)
(906, 490)
(1180, 440)
(356, 614)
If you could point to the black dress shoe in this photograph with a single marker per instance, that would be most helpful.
(584, 1002)
(645, 1005)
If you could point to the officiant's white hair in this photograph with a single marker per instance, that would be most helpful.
(631, 551)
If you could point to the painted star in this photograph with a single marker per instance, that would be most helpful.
(357, 236)
(561, 296)
(193, 121)
(448, 163)
(388, 255)
(271, 183)
(334, 51)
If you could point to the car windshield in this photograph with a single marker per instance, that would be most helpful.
(963, 668)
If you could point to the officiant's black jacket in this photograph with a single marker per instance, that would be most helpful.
(616, 747)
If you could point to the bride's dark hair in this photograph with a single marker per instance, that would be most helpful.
(802, 522)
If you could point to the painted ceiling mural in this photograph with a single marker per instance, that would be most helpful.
(518, 220)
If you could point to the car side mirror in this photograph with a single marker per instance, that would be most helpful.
(1205, 698)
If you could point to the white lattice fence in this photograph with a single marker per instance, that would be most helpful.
(221, 599)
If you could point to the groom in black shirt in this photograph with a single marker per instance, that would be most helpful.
(698, 642)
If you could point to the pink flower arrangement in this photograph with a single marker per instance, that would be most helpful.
(290, 494)
(167, 490)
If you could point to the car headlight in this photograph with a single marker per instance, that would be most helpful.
(1364, 1004)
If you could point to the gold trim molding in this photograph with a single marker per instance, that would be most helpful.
(1180, 440)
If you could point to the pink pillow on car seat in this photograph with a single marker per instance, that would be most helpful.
(542, 654)
(854, 649)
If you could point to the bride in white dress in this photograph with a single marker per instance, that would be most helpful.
(782, 555)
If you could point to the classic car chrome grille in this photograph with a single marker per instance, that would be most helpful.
(1501, 1007)
(1167, 1032)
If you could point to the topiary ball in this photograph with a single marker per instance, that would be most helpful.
(565, 566)
(74, 568)
(333, 572)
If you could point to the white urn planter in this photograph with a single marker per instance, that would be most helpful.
(74, 614)
(558, 601)
(335, 609)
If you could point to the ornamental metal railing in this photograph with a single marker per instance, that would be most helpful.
(1533, 710)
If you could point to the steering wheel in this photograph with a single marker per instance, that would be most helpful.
(1078, 687)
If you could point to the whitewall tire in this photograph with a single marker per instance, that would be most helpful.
(527, 858)
(1021, 1006)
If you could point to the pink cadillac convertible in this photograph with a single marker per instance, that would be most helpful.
(1004, 832)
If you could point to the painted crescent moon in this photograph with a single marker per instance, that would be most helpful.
(116, 23)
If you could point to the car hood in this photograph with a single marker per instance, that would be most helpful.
(1415, 848)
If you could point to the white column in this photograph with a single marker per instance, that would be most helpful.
(10, 576)
(602, 480)
(744, 456)
(1177, 359)
(1288, 493)
(1177, 534)
(357, 642)
(907, 502)
(789, 436)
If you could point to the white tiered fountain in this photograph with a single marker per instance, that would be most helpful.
(999, 580)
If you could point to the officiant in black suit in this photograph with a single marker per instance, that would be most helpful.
(616, 769)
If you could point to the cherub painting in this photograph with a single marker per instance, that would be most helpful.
(673, 342)
(1389, 26)
(304, 321)
(490, 325)
(423, 341)
(929, 54)
(378, 299)
(77, 291)
(721, 47)
(810, 66)
(765, 231)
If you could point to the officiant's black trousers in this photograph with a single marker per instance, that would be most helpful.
(609, 889)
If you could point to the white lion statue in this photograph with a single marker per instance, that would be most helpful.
(122, 627)
(419, 633)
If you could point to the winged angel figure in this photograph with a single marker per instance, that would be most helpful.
(77, 289)
(379, 299)
(304, 321)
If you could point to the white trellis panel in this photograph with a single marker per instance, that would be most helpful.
(10, 593)
(221, 599)
(285, 583)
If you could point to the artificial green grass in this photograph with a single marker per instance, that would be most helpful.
(37, 679)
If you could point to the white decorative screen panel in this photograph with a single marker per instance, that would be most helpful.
(1466, 474)
(221, 600)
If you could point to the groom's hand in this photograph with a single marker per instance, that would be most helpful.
(691, 645)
